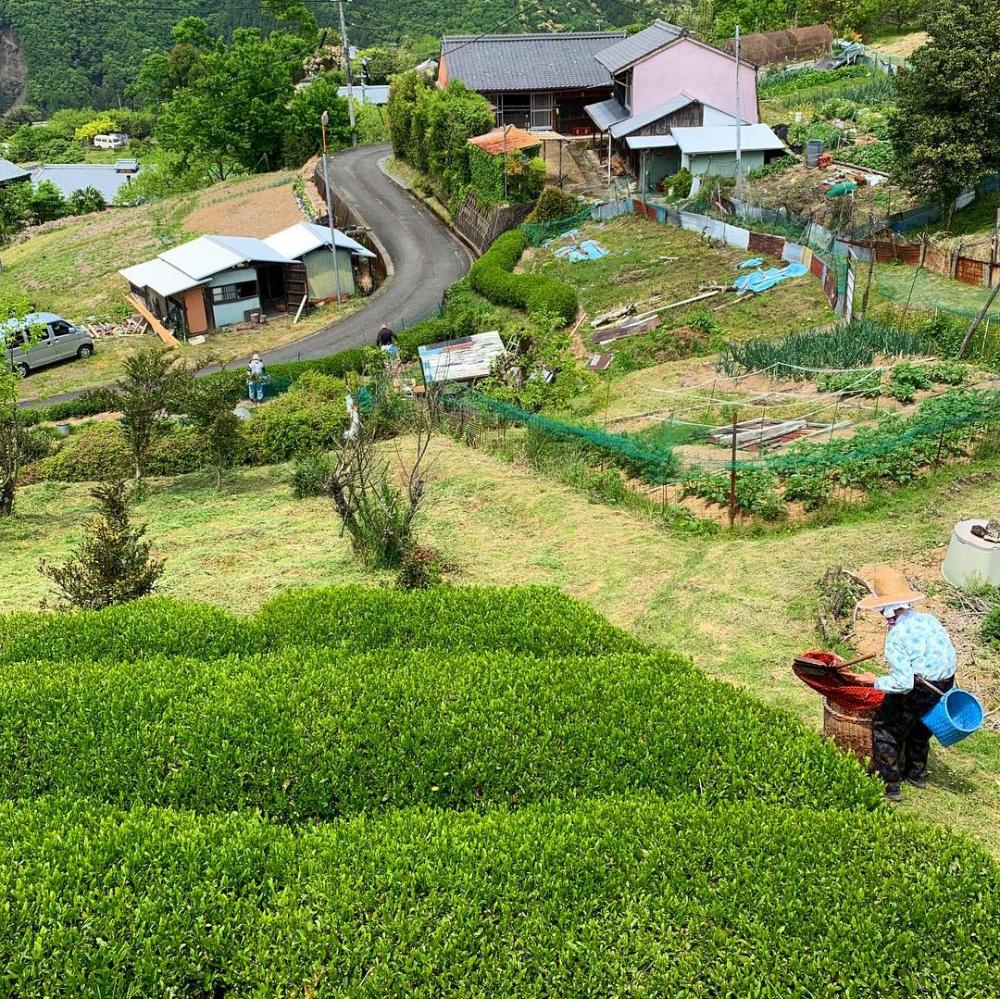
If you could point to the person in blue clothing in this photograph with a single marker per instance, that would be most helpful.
(921, 659)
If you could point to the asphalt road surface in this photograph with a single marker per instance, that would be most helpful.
(426, 259)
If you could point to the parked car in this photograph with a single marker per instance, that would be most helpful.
(52, 339)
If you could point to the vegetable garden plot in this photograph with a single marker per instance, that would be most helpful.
(627, 897)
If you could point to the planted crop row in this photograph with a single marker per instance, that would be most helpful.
(531, 620)
(853, 345)
(492, 277)
(633, 897)
(315, 734)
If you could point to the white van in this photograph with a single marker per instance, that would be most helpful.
(53, 339)
(110, 140)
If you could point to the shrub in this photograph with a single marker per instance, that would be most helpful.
(991, 625)
(296, 423)
(317, 734)
(114, 564)
(554, 205)
(98, 452)
(491, 276)
(679, 184)
(89, 403)
(311, 474)
(636, 897)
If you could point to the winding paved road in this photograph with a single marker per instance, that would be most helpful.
(426, 259)
(425, 255)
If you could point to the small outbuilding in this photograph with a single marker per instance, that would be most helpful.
(217, 281)
(309, 244)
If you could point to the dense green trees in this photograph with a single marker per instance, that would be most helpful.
(946, 132)
(430, 128)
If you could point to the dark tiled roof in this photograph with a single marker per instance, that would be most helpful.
(624, 53)
(562, 61)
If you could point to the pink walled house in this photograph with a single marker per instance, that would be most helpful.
(689, 66)
(674, 106)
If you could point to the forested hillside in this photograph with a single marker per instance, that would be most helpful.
(87, 52)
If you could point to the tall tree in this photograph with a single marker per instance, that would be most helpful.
(152, 384)
(235, 113)
(946, 131)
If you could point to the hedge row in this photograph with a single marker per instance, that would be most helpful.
(618, 898)
(534, 620)
(89, 403)
(492, 276)
(318, 734)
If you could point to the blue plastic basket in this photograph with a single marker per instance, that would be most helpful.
(955, 716)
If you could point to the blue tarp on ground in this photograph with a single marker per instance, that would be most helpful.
(763, 280)
(589, 249)
(752, 262)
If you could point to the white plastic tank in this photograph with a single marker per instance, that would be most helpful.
(971, 560)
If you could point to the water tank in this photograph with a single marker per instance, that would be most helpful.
(971, 560)
(813, 149)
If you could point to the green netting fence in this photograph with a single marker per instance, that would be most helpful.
(540, 232)
(922, 304)
(623, 446)
(945, 422)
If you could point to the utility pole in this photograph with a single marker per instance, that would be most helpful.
(347, 73)
(324, 121)
(739, 123)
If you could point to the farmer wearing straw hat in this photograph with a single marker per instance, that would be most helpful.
(922, 663)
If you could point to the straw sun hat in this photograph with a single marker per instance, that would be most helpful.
(889, 588)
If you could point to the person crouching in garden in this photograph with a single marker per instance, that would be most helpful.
(921, 658)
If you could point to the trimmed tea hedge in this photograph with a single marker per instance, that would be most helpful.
(626, 898)
(533, 620)
(492, 276)
(316, 734)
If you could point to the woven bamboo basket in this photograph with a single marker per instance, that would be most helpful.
(850, 732)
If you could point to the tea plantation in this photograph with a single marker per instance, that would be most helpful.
(456, 792)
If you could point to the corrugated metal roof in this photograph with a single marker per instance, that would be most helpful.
(563, 61)
(304, 237)
(606, 113)
(163, 278)
(638, 142)
(722, 139)
(643, 43)
(72, 177)
(10, 171)
(207, 255)
(633, 124)
(378, 94)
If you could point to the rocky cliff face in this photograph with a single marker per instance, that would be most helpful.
(13, 69)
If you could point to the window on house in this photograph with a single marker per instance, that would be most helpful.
(234, 292)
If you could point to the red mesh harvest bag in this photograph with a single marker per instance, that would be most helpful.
(826, 674)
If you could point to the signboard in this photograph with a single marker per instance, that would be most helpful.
(461, 360)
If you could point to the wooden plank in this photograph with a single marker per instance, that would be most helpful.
(158, 328)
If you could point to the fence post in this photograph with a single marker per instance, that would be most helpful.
(732, 478)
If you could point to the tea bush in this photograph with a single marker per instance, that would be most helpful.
(310, 474)
(533, 620)
(318, 734)
(623, 897)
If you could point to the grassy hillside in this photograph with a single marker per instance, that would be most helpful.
(742, 608)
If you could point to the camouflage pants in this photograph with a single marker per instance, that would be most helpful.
(901, 741)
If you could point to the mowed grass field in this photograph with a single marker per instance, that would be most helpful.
(639, 265)
(740, 606)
